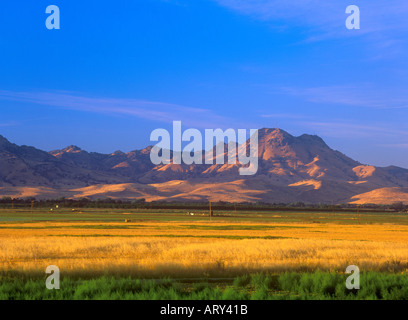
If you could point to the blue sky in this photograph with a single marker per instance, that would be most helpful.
(115, 71)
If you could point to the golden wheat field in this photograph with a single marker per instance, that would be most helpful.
(200, 248)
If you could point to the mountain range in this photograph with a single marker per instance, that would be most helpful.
(291, 169)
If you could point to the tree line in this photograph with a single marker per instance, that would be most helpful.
(8, 202)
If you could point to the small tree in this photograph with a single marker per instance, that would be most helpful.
(398, 206)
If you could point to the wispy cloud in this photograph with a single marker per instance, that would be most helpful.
(320, 19)
(299, 12)
(151, 110)
(363, 95)
(285, 116)
(395, 145)
(351, 129)
(9, 124)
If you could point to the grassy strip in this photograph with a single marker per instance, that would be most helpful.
(318, 285)
(110, 227)
(169, 236)
(240, 227)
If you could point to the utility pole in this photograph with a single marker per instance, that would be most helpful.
(210, 211)
(235, 208)
(12, 204)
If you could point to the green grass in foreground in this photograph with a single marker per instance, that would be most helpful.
(315, 286)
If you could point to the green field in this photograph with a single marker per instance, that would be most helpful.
(118, 215)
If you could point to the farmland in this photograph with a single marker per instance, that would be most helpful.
(223, 254)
